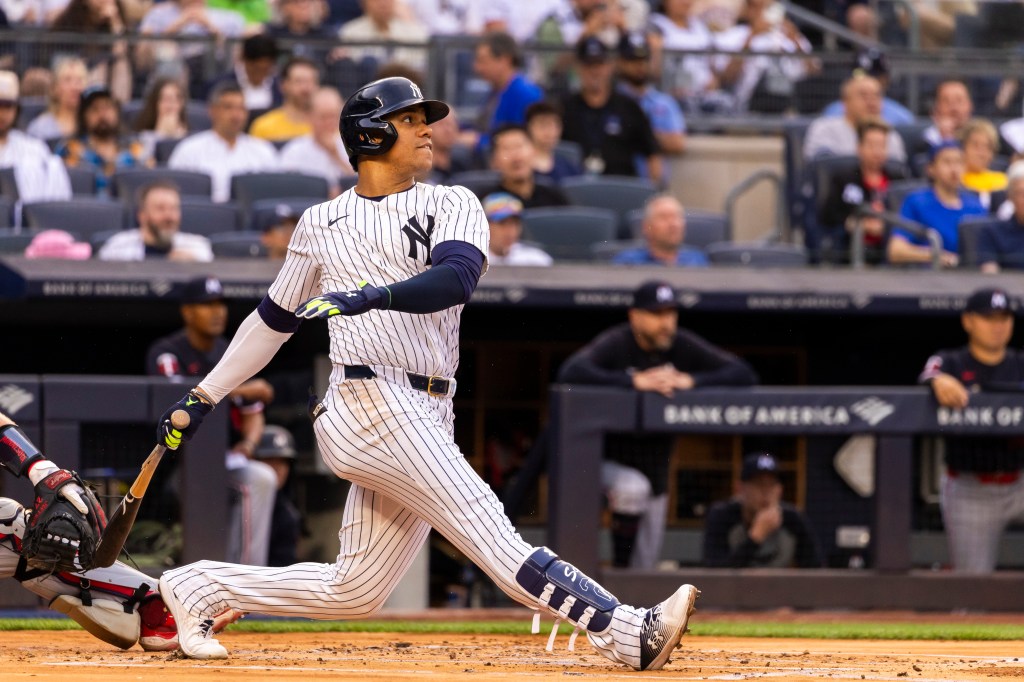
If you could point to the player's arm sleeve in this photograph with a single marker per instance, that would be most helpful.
(265, 330)
(598, 363)
(451, 280)
(712, 366)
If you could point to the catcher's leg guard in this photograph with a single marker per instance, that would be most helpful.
(567, 592)
(104, 619)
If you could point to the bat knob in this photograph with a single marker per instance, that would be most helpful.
(180, 419)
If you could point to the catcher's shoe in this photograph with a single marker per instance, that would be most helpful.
(159, 632)
(663, 627)
(195, 635)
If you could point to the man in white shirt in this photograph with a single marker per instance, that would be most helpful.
(380, 24)
(38, 173)
(504, 216)
(837, 135)
(159, 233)
(321, 152)
(224, 150)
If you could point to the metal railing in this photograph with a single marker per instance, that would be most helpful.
(891, 219)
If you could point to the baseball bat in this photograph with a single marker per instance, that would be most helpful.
(123, 517)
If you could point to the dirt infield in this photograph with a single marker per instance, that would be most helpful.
(75, 656)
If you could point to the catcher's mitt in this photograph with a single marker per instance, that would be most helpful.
(57, 533)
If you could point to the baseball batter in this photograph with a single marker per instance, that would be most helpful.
(390, 264)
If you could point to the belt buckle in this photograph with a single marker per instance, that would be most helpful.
(430, 387)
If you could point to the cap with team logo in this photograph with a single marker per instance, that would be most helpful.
(633, 46)
(202, 290)
(988, 301)
(9, 87)
(654, 296)
(275, 442)
(758, 463)
(592, 50)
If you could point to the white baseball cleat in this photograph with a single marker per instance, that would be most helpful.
(663, 627)
(195, 635)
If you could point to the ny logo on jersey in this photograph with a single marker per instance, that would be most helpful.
(417, 235)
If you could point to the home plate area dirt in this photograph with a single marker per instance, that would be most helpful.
(73, 656)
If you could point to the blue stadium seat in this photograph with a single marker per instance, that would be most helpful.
(83, 181)
(125, 183)
(969, 229)
(620, 194)
(202, 216)
(264, 212)
(757, 254)
(237, 245)
(569, 232)
(15, 243)
(84, 217)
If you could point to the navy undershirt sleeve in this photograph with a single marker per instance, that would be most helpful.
(276, 317)
(450, 281)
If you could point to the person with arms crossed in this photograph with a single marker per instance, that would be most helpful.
(983, 489)
(756, 528)
(648, 353)
(386, 423)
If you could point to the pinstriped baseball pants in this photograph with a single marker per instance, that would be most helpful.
(396, 446)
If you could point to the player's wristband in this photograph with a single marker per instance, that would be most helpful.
(17, 452)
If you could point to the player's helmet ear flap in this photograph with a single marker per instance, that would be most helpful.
(363, 128)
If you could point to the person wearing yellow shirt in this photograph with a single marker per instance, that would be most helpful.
(980, 140)
(300, 79)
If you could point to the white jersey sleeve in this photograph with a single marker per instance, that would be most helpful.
(299, 277)
(461, 218)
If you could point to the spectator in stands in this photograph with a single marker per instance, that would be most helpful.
(512, 156)
(935, 21)
(302, 21)
(837, 135)
(662, 111)
(159, 234)
(276, 236)
(763, 28)
(499, 61)
(163, 115)
(225, 150)
(951, 110)
(38, 174)
(980, 142)
(865, 185)
(505, 217)
(649, 353)
(32, 12)
(321, 152)
(447, 17)
(451, 154)
(519, 19)
(61, 117)
(191, 18)
(1001, 245)
(675, 28)
(610, 127)
(983, 489)
(276, 449)
(256, 73)
(254, 12)
(756, 529)
(108, 63)
(381, 24)
(544, 125)
(57, 245)
(571, 20)
(191, 353)
(873, 62)
(300, 79)
(100, 144)
(664, 229)
(939, 207)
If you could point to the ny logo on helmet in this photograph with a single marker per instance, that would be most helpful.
(416, 91)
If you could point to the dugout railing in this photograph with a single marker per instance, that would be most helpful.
(582, 415)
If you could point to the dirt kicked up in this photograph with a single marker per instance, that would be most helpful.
(74, 655)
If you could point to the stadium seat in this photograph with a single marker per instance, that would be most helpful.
(569, 232)
(6, 210)
(83, 181)
(98, 239)
(898, 191)
(14, 243)
(617, 193)
(476, 181)
(606, 251)
(197, 114)
(162, 150)
(84, 217)
(237, 245)
(8, 184)
(125, 183)
(202, 216)
(251, 187)
(264, 212)
(757, 254)
(970, 228)
(571, 152)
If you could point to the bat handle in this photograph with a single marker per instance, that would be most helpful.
(180, 419)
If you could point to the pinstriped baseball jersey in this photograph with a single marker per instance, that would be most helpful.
(342, 242)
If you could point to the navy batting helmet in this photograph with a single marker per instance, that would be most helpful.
(363, 128)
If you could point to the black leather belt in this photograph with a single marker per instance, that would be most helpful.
(431, 385)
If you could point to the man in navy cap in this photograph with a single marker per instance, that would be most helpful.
(649, 353)
(983, 489)
(756, 528)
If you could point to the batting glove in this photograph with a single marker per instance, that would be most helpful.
(196, 407)
(355, 302)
